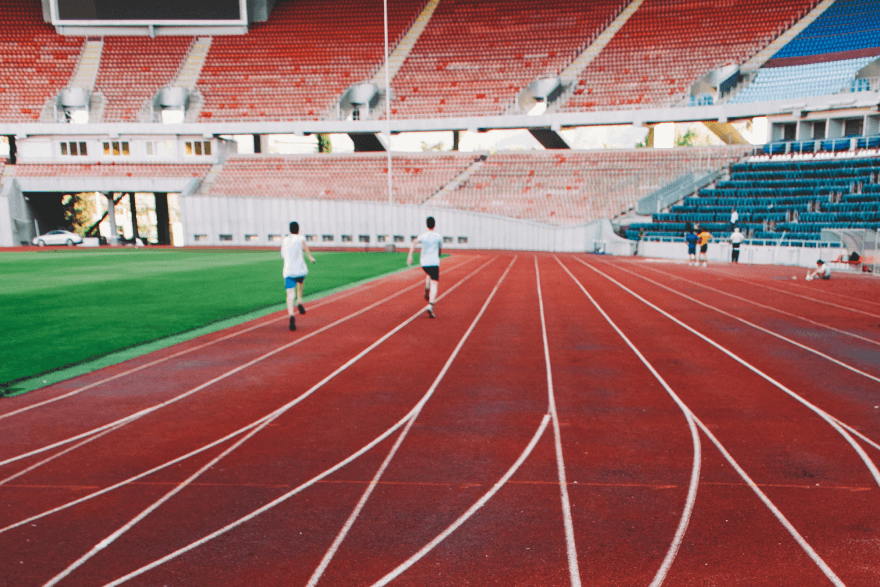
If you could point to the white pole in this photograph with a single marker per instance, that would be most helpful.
(387, 104)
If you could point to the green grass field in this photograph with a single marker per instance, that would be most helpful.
(62, 308)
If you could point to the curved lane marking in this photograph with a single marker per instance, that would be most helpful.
(193, 453)
(323, 302)
(363, 450)
(471, 510)
(131, 418)
(340, 537)
(872, 468)
(573, 570)
(754, 303)
(691, 498)
(757, 327)
(812, 299)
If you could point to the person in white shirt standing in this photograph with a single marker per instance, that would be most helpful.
(294, 250)
(430, 261)
(736, 239)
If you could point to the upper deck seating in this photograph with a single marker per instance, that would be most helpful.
(132, 71)
(668, 44)
(847, 26)
(476, 56)
(297, 64)
(35, 62)
(358, 176)
(800, 81)
(823, 58)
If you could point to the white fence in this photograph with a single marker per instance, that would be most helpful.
(249, 221)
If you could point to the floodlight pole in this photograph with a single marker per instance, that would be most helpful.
(387, 104)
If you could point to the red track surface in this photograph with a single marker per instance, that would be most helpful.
(461, 485)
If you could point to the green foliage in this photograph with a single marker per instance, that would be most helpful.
(324, 145)
(62, 308)
(688, 139)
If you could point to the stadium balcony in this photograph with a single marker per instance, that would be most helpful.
(827, 57)
(35, 64)
(687, 39)
(475, 57)
(296, 65)
(133, 69)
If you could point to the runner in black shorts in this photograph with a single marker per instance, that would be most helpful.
(430, 262)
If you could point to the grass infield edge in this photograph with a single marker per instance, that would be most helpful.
(29, 384)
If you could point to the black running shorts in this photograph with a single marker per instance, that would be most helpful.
(433, 272)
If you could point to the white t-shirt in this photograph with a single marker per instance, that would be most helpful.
(430, 256)
(292, 252)
(824, 270)
(734, 217)
(737, 238)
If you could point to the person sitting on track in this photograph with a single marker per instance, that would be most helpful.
(823, 271)
(293, 249)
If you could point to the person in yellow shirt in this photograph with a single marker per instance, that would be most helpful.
(704, 237)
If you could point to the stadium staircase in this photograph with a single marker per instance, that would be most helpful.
(779, 200)
(187, 76)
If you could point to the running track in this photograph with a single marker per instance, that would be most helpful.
(566, 420)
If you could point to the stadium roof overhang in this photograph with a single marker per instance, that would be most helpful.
(554, 121)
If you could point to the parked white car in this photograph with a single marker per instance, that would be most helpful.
(58, 237)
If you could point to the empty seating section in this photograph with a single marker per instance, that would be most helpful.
(576, 186)
(98, 170)
(847, 25)
(475, 56)
(790, 200)
(133, 69)
(361, 176)
(668, 44)
(297, 64)
(35, 62)
(795, 81)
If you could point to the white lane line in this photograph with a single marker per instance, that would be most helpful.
(779, 515)
(363, 450)
(471, 510)
(323, 302)
(197, 451)
(57, 455)
(812, 299)
(691, 498)
(573, 570)
(112, 537)
(144, 412)
(872, 468)
(755, 326)
(331, 552)
(185, 456)
(754, 303)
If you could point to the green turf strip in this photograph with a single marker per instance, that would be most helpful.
(62, 308)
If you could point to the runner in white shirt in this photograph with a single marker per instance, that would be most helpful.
(293, 251)
(430, 261)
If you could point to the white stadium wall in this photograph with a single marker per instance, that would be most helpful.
(248, 221)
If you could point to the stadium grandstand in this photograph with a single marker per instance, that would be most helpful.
(186, 107)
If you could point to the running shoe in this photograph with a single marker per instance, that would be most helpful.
(301, 308)
(430, 311)
(292, 323)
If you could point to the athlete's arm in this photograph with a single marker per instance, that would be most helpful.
(308, 252)
(412, 248)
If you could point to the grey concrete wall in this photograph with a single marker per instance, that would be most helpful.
(238, 217)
